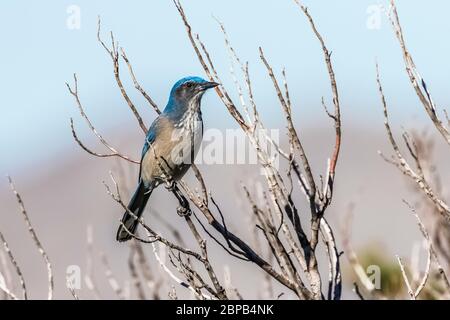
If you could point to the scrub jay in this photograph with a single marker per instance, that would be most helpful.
(170, 147)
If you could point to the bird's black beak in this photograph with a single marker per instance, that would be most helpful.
(208, 85)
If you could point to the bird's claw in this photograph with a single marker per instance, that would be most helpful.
(183, 211)
(170, 186)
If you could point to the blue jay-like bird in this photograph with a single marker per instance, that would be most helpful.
(170, 147)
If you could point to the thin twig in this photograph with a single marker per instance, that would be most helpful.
(74, 92)
(35, 238)
(137, 85)
(17, 269)
(114, 54)
(114, 284)
(405, 278)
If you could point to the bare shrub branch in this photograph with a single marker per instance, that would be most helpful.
(293, 262)
(114, 153)
(13, 261)
(417, 82)
(114, 54)
(35, 238)
(401, 163)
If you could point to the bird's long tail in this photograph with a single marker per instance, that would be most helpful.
(137, 206)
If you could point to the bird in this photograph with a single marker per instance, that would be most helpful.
(170, 146)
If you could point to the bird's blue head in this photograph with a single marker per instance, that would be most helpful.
(187, 92)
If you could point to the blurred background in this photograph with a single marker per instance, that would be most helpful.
(62, 185)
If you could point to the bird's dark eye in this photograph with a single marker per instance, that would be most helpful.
(189, 84)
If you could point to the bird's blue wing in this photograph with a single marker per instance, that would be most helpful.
(149, 139)
(151, 135)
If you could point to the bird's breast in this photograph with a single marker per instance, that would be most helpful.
(188, 134)
(174, 149)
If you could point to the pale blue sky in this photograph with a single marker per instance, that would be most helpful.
(39, 53)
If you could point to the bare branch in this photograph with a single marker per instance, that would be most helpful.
(178, 280)
(401, 163)
(114, 284)
(431, 253)
(136, 282)
(89, 278)
(335, 281)
(352, 258)
(416, 80)
(292, 131)
(223, 95)
(405, 278)
(357, 291)
(337, 109)
(74, 93)
(137, 85)
(152, 283)
(35, 238)
(114, 54)
(17, 269)
(72, 289)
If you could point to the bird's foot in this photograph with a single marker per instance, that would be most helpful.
(171, 186)
(184, 211)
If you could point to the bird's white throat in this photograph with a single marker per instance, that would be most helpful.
(189, 132)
